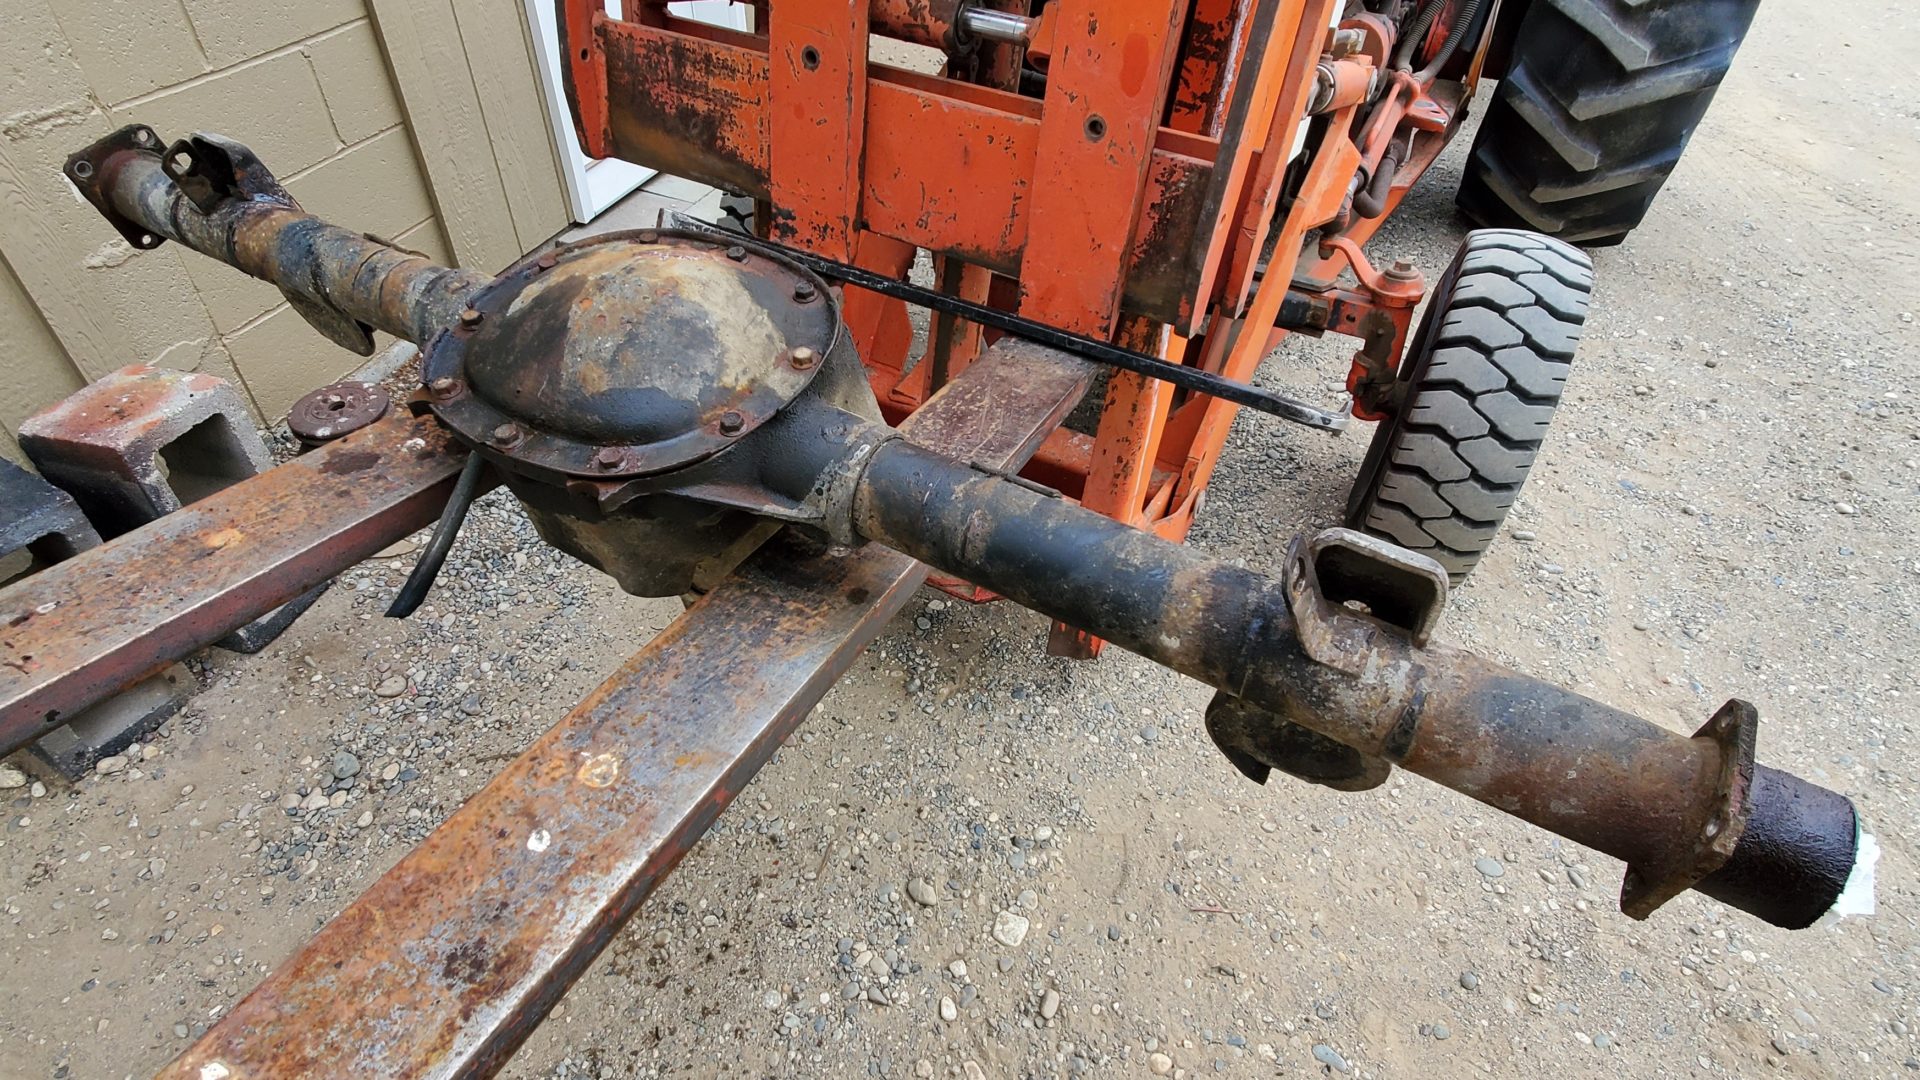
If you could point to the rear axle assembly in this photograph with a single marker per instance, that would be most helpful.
(663, 401)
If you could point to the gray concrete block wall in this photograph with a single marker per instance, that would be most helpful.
(304, 82)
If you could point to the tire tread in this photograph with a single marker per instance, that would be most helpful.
(1481, 398)
(1595, 110)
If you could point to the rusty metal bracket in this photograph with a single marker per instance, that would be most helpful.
(1342, 585)
(211, 169)
(1734, 729)
(1344, 590)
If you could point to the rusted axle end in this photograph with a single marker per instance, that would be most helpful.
(213, 195)
(1328, 674)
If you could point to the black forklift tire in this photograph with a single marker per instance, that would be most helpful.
(1596, 107)
(1480, 382)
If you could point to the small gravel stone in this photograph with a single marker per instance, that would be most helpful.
(1489, 868)
(345, 765)
(948, 1010)
(1149, 733)
(390, 687)
(1328, 1056)
(921, 890)
(1442, 1032)
(1049, 1004)
(11, 778)
(770, 1000)
(1159, 1064)
(958, 969)
(1010, 929)
(107, 766)
(1469, 981)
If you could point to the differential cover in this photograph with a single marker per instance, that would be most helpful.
(630, 354)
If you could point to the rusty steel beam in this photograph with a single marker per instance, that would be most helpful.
(80, 630)
(447, 963)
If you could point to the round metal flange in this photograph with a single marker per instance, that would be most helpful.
(630, 354)
(336, 410)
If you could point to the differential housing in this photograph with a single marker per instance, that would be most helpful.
(615, 382)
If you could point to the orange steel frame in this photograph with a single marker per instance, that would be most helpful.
(1151, 195)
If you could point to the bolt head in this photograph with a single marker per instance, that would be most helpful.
(1402, 270)
(547, 261)
(732, 423)
(737, 253)
(506, 434)
(442, 385)
(608, 457)
(805, 292)
(648, 236)
(470, 317)
(803, 357)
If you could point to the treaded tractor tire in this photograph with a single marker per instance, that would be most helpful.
(1481, 381)
(1597, 105)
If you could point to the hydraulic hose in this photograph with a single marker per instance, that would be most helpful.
(1415, 31)
(1461, 24)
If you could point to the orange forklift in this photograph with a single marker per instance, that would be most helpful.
(1189, 182)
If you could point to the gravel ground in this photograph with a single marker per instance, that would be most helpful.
(975, 861)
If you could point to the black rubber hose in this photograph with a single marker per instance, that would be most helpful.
(1415, 30)
(414, 592)
(1455, 36)
(1371, 201)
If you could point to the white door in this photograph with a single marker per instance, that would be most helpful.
(594, 184)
